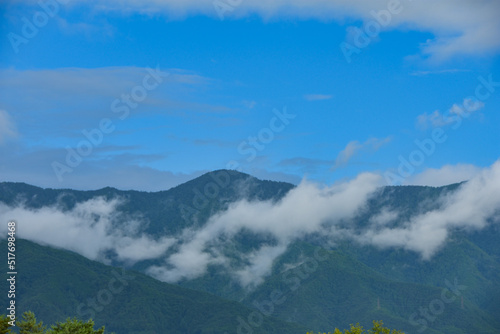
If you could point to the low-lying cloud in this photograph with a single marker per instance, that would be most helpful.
(96, 228)
(309, 209)
(304, 210)
(93, 228)
(471, 207)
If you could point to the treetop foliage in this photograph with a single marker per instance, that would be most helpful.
(29, 325)
(378, 328)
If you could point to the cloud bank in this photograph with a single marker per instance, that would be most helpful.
(92, 228)
(309, 209)
(445, 175)
(304, 210)
(96, 228)
(471, 207)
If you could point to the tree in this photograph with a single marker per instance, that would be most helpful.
(378, 328)
(29, 325)
(4, 325)
(74, 326)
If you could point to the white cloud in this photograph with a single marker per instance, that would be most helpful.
(384, 217)
(468, 27)
(73, 83)
(7, 127)
(353, 147)
(454, 115)
(468, 105)
(347, 153)
(308, 209)
(470, 207)
(95, 227)
(304, 210)
(435, 120)
(91, 229)
(445, 175)
(261, 263)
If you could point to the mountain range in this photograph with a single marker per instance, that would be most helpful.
(227, 252)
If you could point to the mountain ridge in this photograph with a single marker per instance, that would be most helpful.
(186, 208)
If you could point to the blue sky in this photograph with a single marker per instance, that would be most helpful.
(283, 90)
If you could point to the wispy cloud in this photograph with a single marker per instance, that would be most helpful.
(8, 128)
(434, 120)
(446, 71)
(80, 98)
(317, 97)
(122, 167)
(94, 229)
(468, 106)
(445, 175)
(302, 211)
(104, 29)
(353, 147)
(471, 207)
(469, 29)
(249, 104)
(437, 119)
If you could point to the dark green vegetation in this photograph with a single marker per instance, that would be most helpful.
(167, 212)
(378, 328)
(30, 325)
(57, 284)
(340, 290)
(316, 288)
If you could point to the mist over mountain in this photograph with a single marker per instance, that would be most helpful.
(195, 225)
(238, 237)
